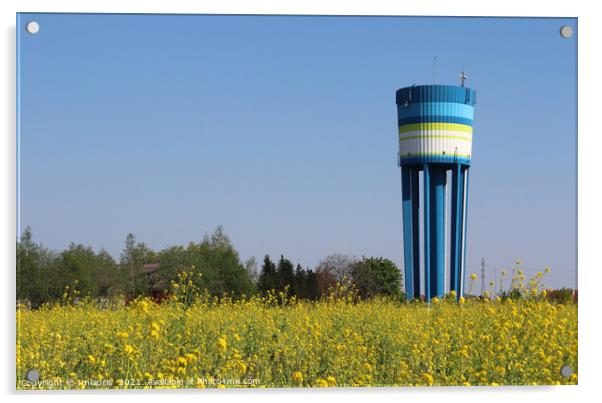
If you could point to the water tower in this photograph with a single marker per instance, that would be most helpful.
(435, 138)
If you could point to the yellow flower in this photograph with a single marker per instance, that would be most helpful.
(222, 344)
(91, 358)
(321, 383)
(128, 349)
(473, 276)
(297, 377)
(144, 306)
(331, 380)
(122, 335)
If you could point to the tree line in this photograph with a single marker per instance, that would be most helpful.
(45, 275)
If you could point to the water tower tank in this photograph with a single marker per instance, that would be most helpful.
(435, 137)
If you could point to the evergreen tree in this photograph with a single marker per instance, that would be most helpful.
(267, 279)
(285, 274)
(298, 287)
(311, 286)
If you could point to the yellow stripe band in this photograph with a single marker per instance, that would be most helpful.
(436, 136)
(456, 127)
(405, 155)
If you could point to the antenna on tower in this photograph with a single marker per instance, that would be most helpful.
(463, 77)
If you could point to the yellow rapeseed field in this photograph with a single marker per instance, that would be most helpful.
(268, 342)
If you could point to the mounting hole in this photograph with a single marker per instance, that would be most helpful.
(32, 27)
(33, 375)
(566, 371)
(566, 31)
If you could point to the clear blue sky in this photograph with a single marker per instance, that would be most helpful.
(283, 130)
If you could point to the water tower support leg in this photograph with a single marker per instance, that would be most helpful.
(438, 178)
(408, 249)
(462, 274)
(416, 229)
(457, 228)
(427, 232)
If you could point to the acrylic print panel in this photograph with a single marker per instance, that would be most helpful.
(295, 201)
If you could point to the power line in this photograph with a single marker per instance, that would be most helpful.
(514, 265)
(509, 267)
(482, 275)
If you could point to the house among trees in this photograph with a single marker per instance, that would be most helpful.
(148, 268)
